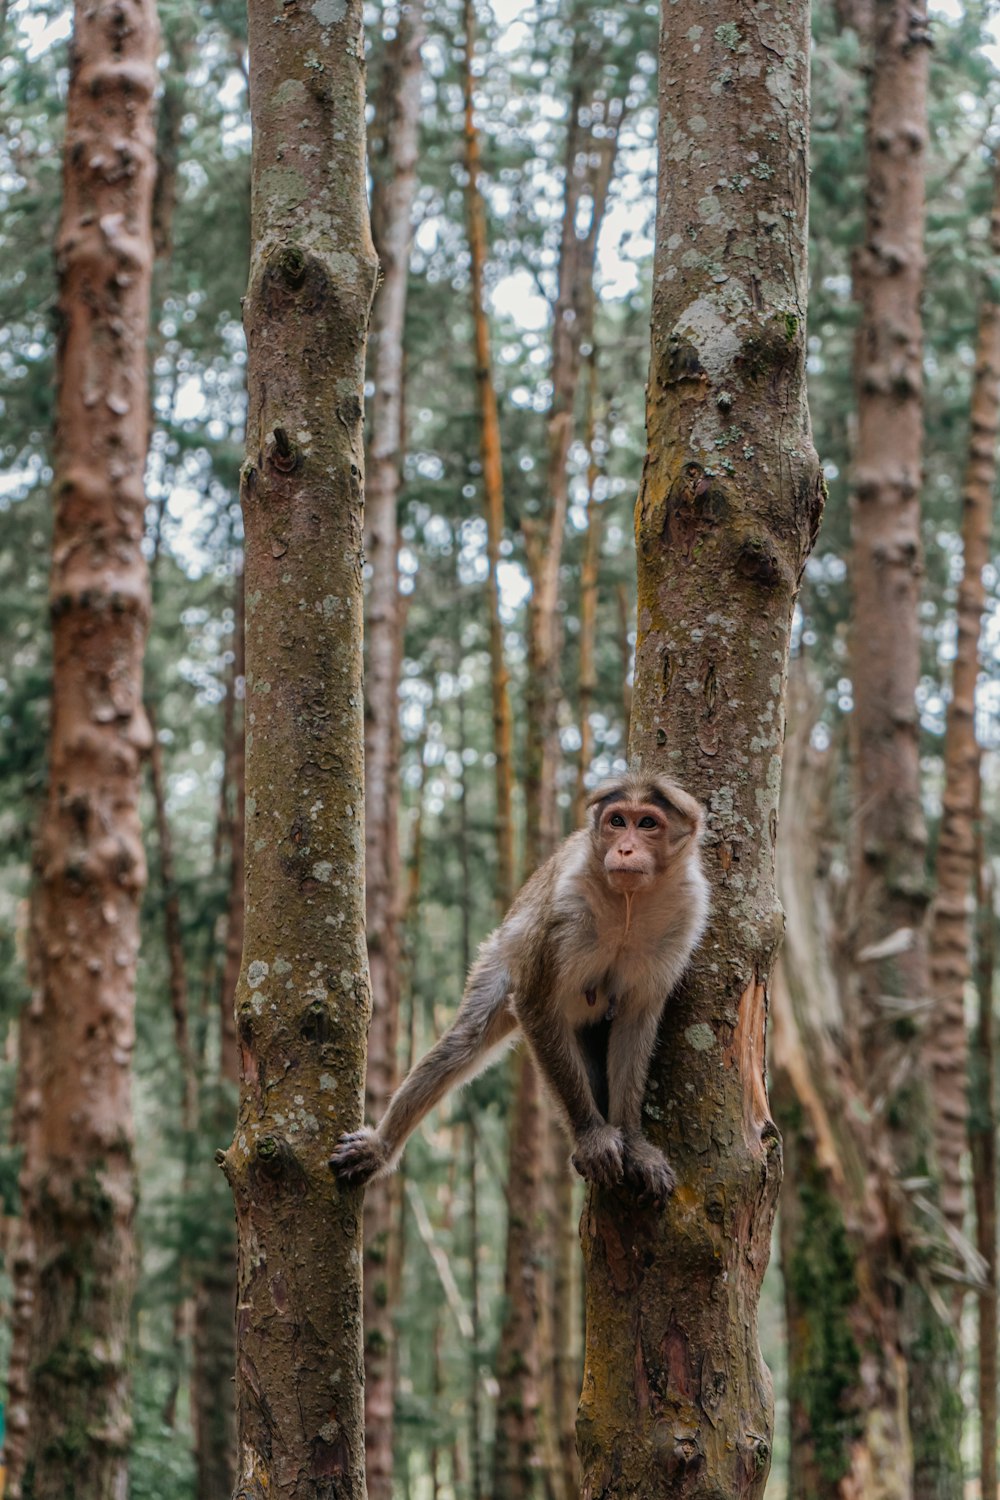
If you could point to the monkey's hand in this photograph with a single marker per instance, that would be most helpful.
(647, 1169)
(359, 1156)
(599, 1155)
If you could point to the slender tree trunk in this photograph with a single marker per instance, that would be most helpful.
(490, 454)
(842, 1349)
(950, 926)
(983, 1144)
(302, 1002)
(394, 181)
(173, 940)
(676, 1398)
(213, 1404)
(91, 868)
(23, 1256)
(591, 148)
(889, 886)
(625, 617)
(589, 579)
(475, 1343)
(517, 1456)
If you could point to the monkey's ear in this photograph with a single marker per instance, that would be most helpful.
(684, 814)
(608, 791)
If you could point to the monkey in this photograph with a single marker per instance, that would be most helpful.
(581, 967)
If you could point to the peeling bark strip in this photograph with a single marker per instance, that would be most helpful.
(950, 928)
(91, 868)
(302, 1002)
(394, 185)
(676, 1399)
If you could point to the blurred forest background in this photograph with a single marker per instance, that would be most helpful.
(536, 62)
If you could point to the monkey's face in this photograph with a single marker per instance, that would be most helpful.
(634, 840)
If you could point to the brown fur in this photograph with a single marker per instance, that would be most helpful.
(582, 966)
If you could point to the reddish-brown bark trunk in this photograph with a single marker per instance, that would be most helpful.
(91, 867)
(676, 1399)
(302, 1001)
(394, 182)
(950, 924)
(889, 889)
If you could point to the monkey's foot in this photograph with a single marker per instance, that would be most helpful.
(647, 1169)
(599, 1155)
(359, 1156)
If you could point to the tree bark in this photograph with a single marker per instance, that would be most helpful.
(889, 886)
(950, 924)
(517, 1455)
(490, 455)
(302, 1002)
(591, 149)
(676, 1398)
(213, 1404)
(983, 1144)
(91, 869)
(846, 1372)
(394, 181)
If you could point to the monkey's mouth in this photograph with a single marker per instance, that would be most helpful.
(627, 878)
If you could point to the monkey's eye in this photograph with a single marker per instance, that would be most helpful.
(647, 822)
(616, 820)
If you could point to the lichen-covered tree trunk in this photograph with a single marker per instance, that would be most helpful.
(889, 885)
(394, 183)
(950, 925)
(676, 1399)
(91, 868)
(302, 1002)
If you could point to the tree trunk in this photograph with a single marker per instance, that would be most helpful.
(394, 181)
(26, 1134)
(302, 1002)
(676, 1398)
(517, 1457)
(950, 926)
(889, 886)
(490, 453)
(846, 1373)
(591, 148)
(91, 868)
(983, 1144)
(589, 579)
(173, 941)
(213, 1405)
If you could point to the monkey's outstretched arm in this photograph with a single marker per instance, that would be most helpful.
(484, 1021)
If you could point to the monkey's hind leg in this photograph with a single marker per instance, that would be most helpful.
(463, 1051)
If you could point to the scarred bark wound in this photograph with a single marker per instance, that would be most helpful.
(302, 1003)
(676, 1399)
(91, 867)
